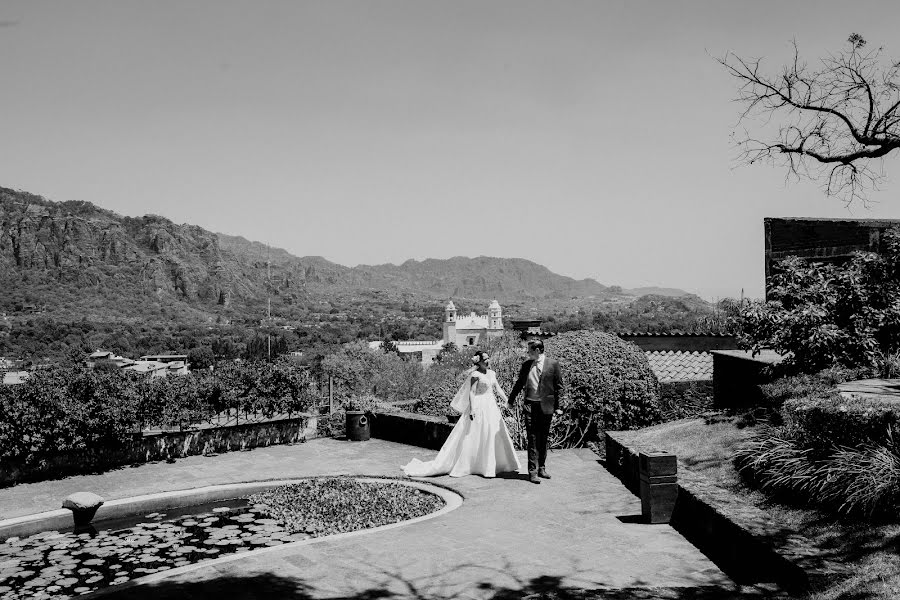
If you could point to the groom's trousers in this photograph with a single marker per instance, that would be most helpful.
(537, 426)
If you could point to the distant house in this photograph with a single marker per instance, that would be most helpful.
(15, 377)
(423, 350)
(168, 364)
(156, 368)
(99, 355)
(156, 365)
(165, 358)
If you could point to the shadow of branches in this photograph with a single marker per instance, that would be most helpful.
(270, 586)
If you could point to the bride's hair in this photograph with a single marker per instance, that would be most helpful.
(479, 356)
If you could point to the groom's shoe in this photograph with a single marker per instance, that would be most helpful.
(533, 478)
(542, 472)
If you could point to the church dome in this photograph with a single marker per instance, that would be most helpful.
(450, 306)
(494, 304)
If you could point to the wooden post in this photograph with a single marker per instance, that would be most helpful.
(658, 485)
(330, 395)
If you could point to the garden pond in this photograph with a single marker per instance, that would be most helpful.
(65, 563)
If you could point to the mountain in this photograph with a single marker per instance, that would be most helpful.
(656, 291)
(506, 279)
(76, 259)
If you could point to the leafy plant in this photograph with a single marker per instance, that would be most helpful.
(329, 505)
(862, 481)
(822, 315)
(366, 403)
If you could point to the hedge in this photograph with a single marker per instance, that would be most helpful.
(822, 424)
(608, 384)
(64, 409)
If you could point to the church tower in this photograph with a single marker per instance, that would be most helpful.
(495, 316)
(450, 323)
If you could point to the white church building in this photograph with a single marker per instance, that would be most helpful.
(463, 331)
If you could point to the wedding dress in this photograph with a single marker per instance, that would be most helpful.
(479, 444)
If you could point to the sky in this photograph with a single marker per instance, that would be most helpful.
(593, 137)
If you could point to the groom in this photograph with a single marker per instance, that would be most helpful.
(540, 378)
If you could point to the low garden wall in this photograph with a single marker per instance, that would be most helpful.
(414, 429)
(734, 534)
(150, 447)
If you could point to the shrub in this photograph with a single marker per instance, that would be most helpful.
(779, 391)
(787, 387)
(822, 424)
(684, 399)
(443, 383)
(67, 409)
(608, 385)
(64, 409)
(358, 369)
(365, 402)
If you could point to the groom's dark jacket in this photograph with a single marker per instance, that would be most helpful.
(550, 385)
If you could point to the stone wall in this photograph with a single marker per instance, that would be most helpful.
(736, 535)
(414, 429)
(156, 446)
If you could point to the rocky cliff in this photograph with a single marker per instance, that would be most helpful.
(59, 254)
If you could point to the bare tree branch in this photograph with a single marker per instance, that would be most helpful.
(834, 124)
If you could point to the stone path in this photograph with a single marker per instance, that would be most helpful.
(510, 537)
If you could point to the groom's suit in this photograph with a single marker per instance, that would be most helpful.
(542, 392)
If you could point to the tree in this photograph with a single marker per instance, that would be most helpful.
(833, 123)
(200, 358)
(449, 349)
(388, 347)
(825, 315)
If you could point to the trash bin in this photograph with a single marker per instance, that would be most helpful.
(358, 426)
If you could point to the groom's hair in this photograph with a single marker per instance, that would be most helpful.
(536, 345)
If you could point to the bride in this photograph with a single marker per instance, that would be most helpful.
(479, 443)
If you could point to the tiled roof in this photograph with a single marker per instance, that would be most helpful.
(673, 365)
(671, 334)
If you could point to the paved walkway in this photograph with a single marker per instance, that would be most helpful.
(510, 538)
(885, 390)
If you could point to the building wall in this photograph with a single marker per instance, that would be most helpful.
(821, 240)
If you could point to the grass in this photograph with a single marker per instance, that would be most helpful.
(871, 549)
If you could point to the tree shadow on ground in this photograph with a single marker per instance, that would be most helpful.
(269, 586)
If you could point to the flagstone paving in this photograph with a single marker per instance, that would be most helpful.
(509, 538)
